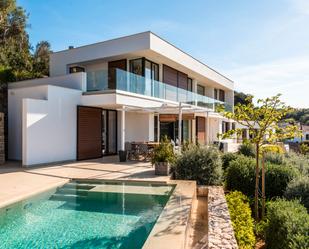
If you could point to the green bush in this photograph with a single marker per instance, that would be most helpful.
(247, 149)
(242, 221)
(240, 175)
(274, 158)
(200, 164)
(287, 226)
(227, 158)
(277, 178)
(298, 161)
(299, 189)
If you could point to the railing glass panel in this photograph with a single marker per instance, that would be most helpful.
(133, 83)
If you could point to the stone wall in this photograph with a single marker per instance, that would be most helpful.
(2, 139)
(220, 231)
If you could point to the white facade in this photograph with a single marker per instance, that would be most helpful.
(43, 112)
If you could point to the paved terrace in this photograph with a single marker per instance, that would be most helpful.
(17, 183)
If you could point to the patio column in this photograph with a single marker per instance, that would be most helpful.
(179, 124)
(122, 129)
(158, 127)
(207, 128)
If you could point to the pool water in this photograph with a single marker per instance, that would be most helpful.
(85, 214)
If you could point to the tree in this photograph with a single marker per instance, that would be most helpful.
(41, 58)
(266, 116)
(14, 40)
(242, 98)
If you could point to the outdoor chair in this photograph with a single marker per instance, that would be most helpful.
(144, 151)
(128, 148)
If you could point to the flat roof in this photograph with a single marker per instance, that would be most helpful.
(141, 33)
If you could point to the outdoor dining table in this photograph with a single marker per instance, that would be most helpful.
(136, 147)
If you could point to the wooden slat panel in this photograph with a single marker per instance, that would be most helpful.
(89, 132)
(182, 80)
(169, 75)
(200, 130)
(174, 117)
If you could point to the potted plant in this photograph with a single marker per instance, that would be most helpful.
(163, 156)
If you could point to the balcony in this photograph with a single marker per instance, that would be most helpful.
(133, 83)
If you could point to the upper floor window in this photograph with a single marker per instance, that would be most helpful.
(200, 90)
(219, 94)
(144, 67)
(190, 85)
(76, 69)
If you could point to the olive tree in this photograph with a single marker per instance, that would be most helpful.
(262, 121)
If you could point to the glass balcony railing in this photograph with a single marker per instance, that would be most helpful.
(122, 80)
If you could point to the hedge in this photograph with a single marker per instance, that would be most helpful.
(299, 189)
(287, 225)
(227, 158)
(247, 149)
(242, 221)
(240, 175)
(200, 164)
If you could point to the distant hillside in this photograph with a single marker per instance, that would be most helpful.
(298, 115)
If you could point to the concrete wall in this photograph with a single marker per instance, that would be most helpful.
(115, 47)
(15, 98)
(75, 81)
(49, 127)
(2, 139)
(139, 127)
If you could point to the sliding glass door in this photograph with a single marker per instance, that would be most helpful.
(109, 132)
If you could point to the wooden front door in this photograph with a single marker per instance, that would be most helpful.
(89, 132)
(112, 73)
(200, 130)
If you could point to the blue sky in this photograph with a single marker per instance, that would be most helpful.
(262, 45)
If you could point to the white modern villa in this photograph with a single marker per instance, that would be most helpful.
(100, 96)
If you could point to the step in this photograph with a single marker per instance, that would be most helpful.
(73, 185)
(72, 191)
(66, 197)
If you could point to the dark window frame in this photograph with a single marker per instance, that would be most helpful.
(201, 87)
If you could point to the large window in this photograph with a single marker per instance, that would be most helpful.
(201, 90)
(149, 72)
(190, 85)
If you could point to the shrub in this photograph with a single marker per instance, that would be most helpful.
(304, 148)
(240, 175)
(298, 161)
(274, 158)
(242, 221)
(163, 152)
(287, 226)
(277, 178)
(247, 149)
(299, 189)
(272, 148)
(227, 158)
(200, 164)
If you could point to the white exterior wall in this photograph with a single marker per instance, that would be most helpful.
(15, 98)
(49, 127)
(139, 127)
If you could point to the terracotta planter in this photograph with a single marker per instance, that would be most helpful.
(162, 168)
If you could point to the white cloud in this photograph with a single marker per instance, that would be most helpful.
(288, 76)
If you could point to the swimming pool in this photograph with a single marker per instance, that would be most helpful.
(85, 214)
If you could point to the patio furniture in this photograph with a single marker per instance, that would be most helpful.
(128, 148)
(144, 151)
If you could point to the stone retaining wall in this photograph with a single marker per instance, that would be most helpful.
(2, 139)
(220, 231)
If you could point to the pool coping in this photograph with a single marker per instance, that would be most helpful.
(170, 230)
